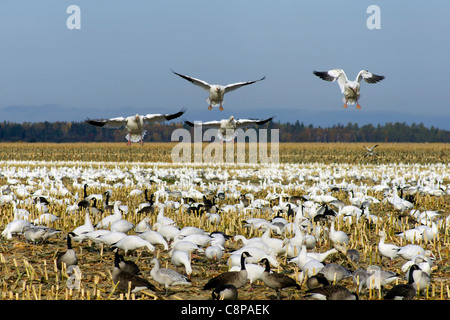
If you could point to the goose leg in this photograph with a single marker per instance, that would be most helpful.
(210, 107)
(129, 143)
(358, 106)
(221, 108)
(345, 104)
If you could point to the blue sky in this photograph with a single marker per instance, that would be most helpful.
(119, 63)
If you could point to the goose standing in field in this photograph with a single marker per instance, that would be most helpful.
(84, 203)
(167, 277)
(182, 259)
(236, 278)
(81, 231)
(227, 127)
(126, 265)
(69, 257)
(387, 250)
(216, 91)
(317, 281)
(379, 278)
(335, 272)
(331, 292)
(133, 242)
(350, 89)
(225, 292)
(404, 291)
(154, 237)
(337, 236)
(276, 281)
(125, 280)
(134, 124)
(108, 220)
(15, 227)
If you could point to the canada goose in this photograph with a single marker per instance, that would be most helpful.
(403, 291)
(167, 277)
(216, 91)
(93, 208)
(69, 257)
(276, 281)
(124, 280)
(331, 292)
(225, 292)
(316, 281)
(236, 278)
(108, 207)
(126, 265)
(84, 203)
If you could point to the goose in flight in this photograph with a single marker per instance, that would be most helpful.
(350, 89)
(370, 151)
(216, 91)
(134, 124)
(227, 127)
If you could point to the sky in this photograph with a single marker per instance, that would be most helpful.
(119, 61)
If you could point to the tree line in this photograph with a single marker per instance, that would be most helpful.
(288, 132)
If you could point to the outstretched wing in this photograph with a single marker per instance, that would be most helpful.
(237, 85)
(113, 123)
(243, 123)
(368, 77)
(333, 75)
(151, 118)
(207, 124)
(202, 84)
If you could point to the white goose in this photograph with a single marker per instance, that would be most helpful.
(134, 124)
(133, 242)
(182, 258)
(387, 250)
(216, 91)
(227, 127)
(350, 89)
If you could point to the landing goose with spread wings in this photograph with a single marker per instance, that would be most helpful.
(134, 124)
(227, 127)
(350, 89)
(216, 91)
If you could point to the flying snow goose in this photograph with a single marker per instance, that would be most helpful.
(370, 151)
(216, 91)
(227, 127)
(134, 124)
(350, 89)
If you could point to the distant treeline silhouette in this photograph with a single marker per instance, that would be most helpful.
(288, 132)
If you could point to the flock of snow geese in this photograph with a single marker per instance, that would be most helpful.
(280, 227)
(135, 125)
